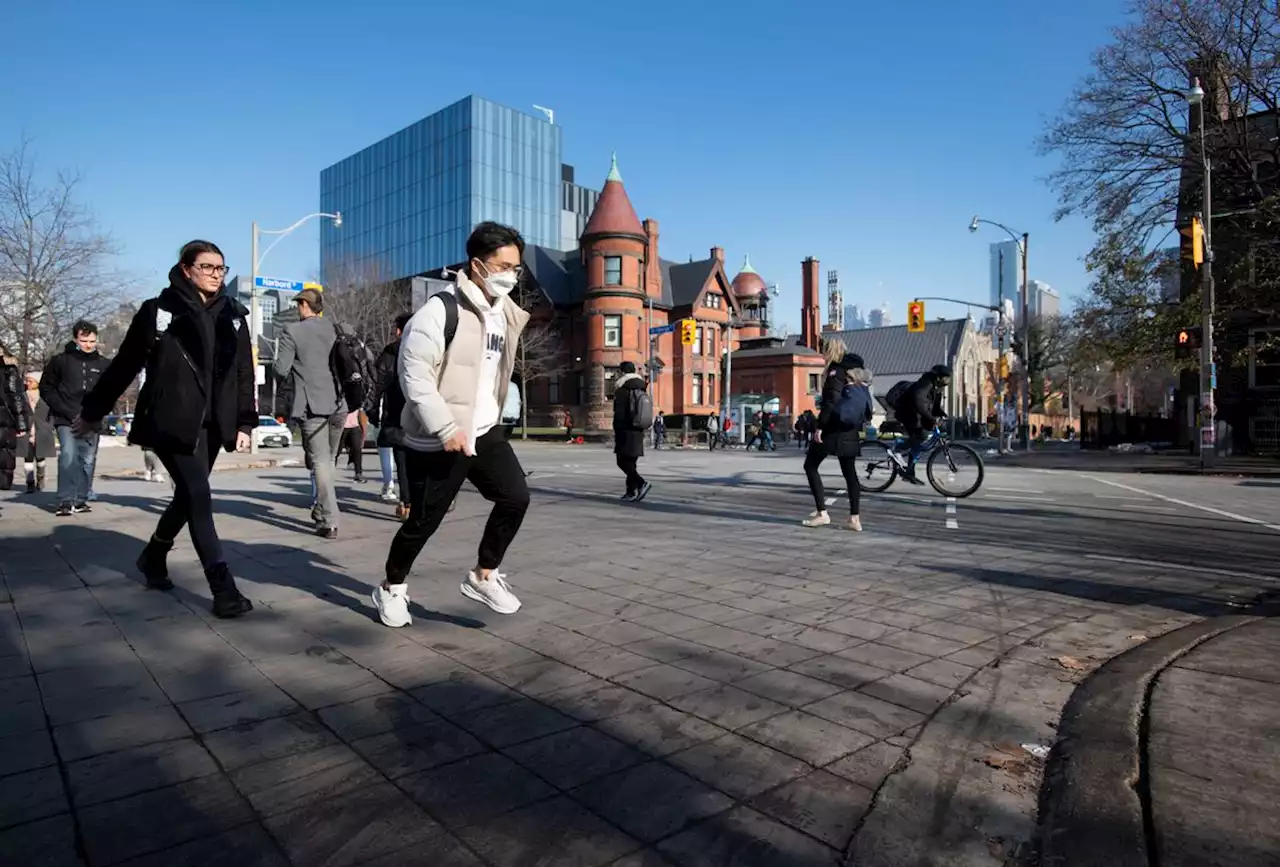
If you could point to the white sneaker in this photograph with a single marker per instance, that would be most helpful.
(159, 479)
(146, 476)
(492, 591)
(392, 603)
(389, 495)
(819, 520)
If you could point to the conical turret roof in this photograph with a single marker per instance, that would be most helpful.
(613, 213)
(748, 283)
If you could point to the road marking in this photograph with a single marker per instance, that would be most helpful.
(831, 501)
(1119, 497)
(1210, 509)
(1025, 499)
(1185, 568)
(952, 523)
(1015, 491)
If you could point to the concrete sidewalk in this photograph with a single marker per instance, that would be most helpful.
(1169, 756)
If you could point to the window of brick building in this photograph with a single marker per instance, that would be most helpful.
(553, 388)
(613, 330)
(815, 383)
(613, 270)
(696, 396)
(697, 342)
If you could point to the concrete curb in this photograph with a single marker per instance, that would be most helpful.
(1091, 812)
(269, 464)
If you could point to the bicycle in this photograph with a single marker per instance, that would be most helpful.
(882, 464)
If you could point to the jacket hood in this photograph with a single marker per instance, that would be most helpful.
(630, 380)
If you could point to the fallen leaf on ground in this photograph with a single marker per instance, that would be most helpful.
(1070, 663)
(1138, 637)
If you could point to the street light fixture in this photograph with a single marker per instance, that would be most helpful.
(1023, 241)
(1208, 371)
(255, 313)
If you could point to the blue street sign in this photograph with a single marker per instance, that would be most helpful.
(662, 329)
(274, 283)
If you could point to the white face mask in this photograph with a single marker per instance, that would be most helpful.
(502, 284)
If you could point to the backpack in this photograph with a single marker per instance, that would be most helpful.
(641, 409)
(852, 407)
(352, 366)
(896, 394)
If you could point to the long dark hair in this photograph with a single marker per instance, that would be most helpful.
(192, 249)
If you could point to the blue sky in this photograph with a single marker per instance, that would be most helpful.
(866, 137)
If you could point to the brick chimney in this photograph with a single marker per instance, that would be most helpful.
(810, 304)
(652, 262)
(717, 253)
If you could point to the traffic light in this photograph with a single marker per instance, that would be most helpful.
(688, 333)
(1188, 342)
(1004, 367)
(1195, 232)
(915, 317)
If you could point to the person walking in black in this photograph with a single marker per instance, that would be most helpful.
(387, 405)
(15, 418)
(844, 412)
(67, 378)
(193, 341)
(629, 429)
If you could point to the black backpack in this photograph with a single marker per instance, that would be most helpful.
(352, 365)
(894, 398)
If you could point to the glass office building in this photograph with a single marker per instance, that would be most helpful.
(409, 201)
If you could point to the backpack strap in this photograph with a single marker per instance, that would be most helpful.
(450, 302)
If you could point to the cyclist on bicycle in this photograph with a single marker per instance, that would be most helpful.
(918, 411)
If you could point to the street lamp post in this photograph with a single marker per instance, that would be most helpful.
(255, 312)
(1023, 241)
(1208, 370)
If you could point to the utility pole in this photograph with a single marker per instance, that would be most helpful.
(1026, 345)
(1208, 370)
(255, 327)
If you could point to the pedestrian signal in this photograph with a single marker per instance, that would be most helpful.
(915, 317)
(1187, 342)
(688, 334)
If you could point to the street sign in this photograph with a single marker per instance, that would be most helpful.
(274, 283)
(662, 329)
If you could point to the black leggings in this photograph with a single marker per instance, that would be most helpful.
(401, 455)
(848, 468)
(192, 502)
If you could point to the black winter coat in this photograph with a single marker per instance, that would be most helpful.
(922, 404)
(15, 421)
(627, 441)
(199, 365)
(838, 439)
(387, 400)
(67, 378)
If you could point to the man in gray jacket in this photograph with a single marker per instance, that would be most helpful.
(318, 405)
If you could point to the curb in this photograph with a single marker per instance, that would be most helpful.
(1091, 812)
(269, 464)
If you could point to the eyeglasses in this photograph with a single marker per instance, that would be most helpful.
(210, 270)
(504, 268)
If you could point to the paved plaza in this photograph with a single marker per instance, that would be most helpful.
(694, 680)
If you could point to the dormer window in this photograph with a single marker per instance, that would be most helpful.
(712, 300)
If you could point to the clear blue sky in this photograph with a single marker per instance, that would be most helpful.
(866, 137)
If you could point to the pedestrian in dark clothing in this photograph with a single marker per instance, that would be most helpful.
(659, 430)
(67, 378)
(15, 419)
(629, 429)
(919, 411)
(836, 436)
(198, 398)
(42, 443)
(387, 402)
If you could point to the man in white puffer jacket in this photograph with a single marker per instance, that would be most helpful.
(454, 388)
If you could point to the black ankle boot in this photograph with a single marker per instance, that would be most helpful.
(227, 601)
(151, 563)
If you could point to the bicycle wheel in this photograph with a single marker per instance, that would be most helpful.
(876, 470)
(955, 458)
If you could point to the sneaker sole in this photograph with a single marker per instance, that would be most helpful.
(476, 596)
(383, 617)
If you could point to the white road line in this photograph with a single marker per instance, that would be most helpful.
(831, 501)
(1245, 519)
(1014, 491)
(1185, 568)
(952, 523)
(1025, 499)
(1119, 497)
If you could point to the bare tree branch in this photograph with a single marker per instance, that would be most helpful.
(358, 295)
(55, 265)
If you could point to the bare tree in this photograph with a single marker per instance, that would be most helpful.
(55, 265)
(1129, 160)
(542, 352)
(359, 296)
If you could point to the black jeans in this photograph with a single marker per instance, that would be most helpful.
(401, 455)
(434, 479)
(628, 466)
(848, 468)
(192, 502)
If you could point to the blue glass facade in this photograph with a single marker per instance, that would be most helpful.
(409, 201)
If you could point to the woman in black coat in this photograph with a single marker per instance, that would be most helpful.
(628, 435)
(193, 341)
(41, 438)
(838, 438)
(15, 419)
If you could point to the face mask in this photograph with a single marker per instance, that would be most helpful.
(501, 285)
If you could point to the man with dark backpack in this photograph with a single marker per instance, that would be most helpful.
(632, 418)
(918, 408)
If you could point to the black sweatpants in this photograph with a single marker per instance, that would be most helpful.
(401, 456)
(435, 479)
(635, 481)
(192, 502)
(848, 468)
